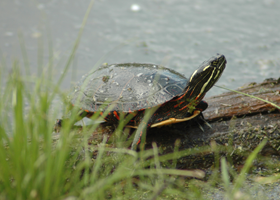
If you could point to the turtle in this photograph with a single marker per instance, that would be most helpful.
(136, 88)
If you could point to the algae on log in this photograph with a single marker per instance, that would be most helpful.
(239, 123)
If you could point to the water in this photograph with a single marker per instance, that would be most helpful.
(179, 34)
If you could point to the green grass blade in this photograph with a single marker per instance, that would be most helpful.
(242, 176)
(225, 175)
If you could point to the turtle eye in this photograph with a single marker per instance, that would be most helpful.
(214, 63)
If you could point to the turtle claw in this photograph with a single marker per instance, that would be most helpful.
(201, 128)
(205, 122)
(201, 117)
(209, 125)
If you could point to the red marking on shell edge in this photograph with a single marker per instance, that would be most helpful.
(86, 110)
(138, 141)
(116, 115)
(139, 138)
(101, 113)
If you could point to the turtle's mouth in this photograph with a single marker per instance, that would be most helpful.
(203, 79)
(218, 70)
(221, 63)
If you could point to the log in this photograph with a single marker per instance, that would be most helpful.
(238, 124)
(232, 104)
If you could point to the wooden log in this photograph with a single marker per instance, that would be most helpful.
(238, 124)
(233, 104)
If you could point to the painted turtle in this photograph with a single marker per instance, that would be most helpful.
(136, 88)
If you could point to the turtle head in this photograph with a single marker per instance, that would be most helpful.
(205, 77)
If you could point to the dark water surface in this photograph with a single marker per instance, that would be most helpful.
(180, 34)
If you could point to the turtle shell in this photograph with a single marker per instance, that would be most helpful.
(128, 87)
